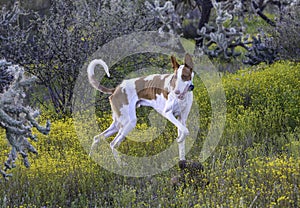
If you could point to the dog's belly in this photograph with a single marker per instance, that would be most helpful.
(158, 104)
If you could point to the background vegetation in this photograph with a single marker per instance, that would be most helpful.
(256, 163)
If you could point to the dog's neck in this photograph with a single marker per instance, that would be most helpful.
(172, 83)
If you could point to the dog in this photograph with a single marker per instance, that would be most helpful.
(169, 94)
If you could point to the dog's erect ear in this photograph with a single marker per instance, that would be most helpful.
(175, 64)
(188, 62)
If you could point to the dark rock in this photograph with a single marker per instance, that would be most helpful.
(191, 175)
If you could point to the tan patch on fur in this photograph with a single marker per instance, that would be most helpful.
(118, 99)
(188, 62)
(148, 89)
(173, 80)
(175, 64)
(188, 68)
(186, 74)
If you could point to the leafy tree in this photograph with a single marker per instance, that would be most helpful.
(54, 47)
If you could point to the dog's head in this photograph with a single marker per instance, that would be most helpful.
(183, 76)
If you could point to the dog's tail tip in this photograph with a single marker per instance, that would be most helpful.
(91, 73)
(104, 65)
(95, 62)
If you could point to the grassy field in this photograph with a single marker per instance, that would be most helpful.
(256, 163)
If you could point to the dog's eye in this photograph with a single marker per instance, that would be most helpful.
(185, 78)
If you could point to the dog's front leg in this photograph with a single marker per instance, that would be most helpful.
(181, 148)
(182, 133)
(169, 115)
(181, 136)
(181, 141)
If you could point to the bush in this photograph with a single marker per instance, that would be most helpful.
(262, 102)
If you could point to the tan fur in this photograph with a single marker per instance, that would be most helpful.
(100, 87)
(148, 89)
(118, 99)
(186, 74)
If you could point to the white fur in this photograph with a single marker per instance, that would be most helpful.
(93, 64)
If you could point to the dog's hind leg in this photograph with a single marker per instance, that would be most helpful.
(114, 144)
(123, 132)
(105, 134)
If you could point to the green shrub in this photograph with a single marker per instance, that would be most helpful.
(263, 102)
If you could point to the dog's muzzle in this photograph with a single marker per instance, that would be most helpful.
(188, 88)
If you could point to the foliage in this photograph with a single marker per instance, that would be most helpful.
(262, 50)
(165, 15)
(224, 34)
(15, 117)
(255, 165)
(266, 96)
(6, 77)
(280, 42)
(221, 38)
(285, 35)
(54, 47)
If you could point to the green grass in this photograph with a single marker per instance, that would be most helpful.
(255, 164)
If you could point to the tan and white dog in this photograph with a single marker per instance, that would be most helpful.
(169, 94)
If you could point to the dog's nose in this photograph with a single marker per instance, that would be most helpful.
(177, 92)
(191, 87)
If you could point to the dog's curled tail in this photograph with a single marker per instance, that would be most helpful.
(91, 76)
